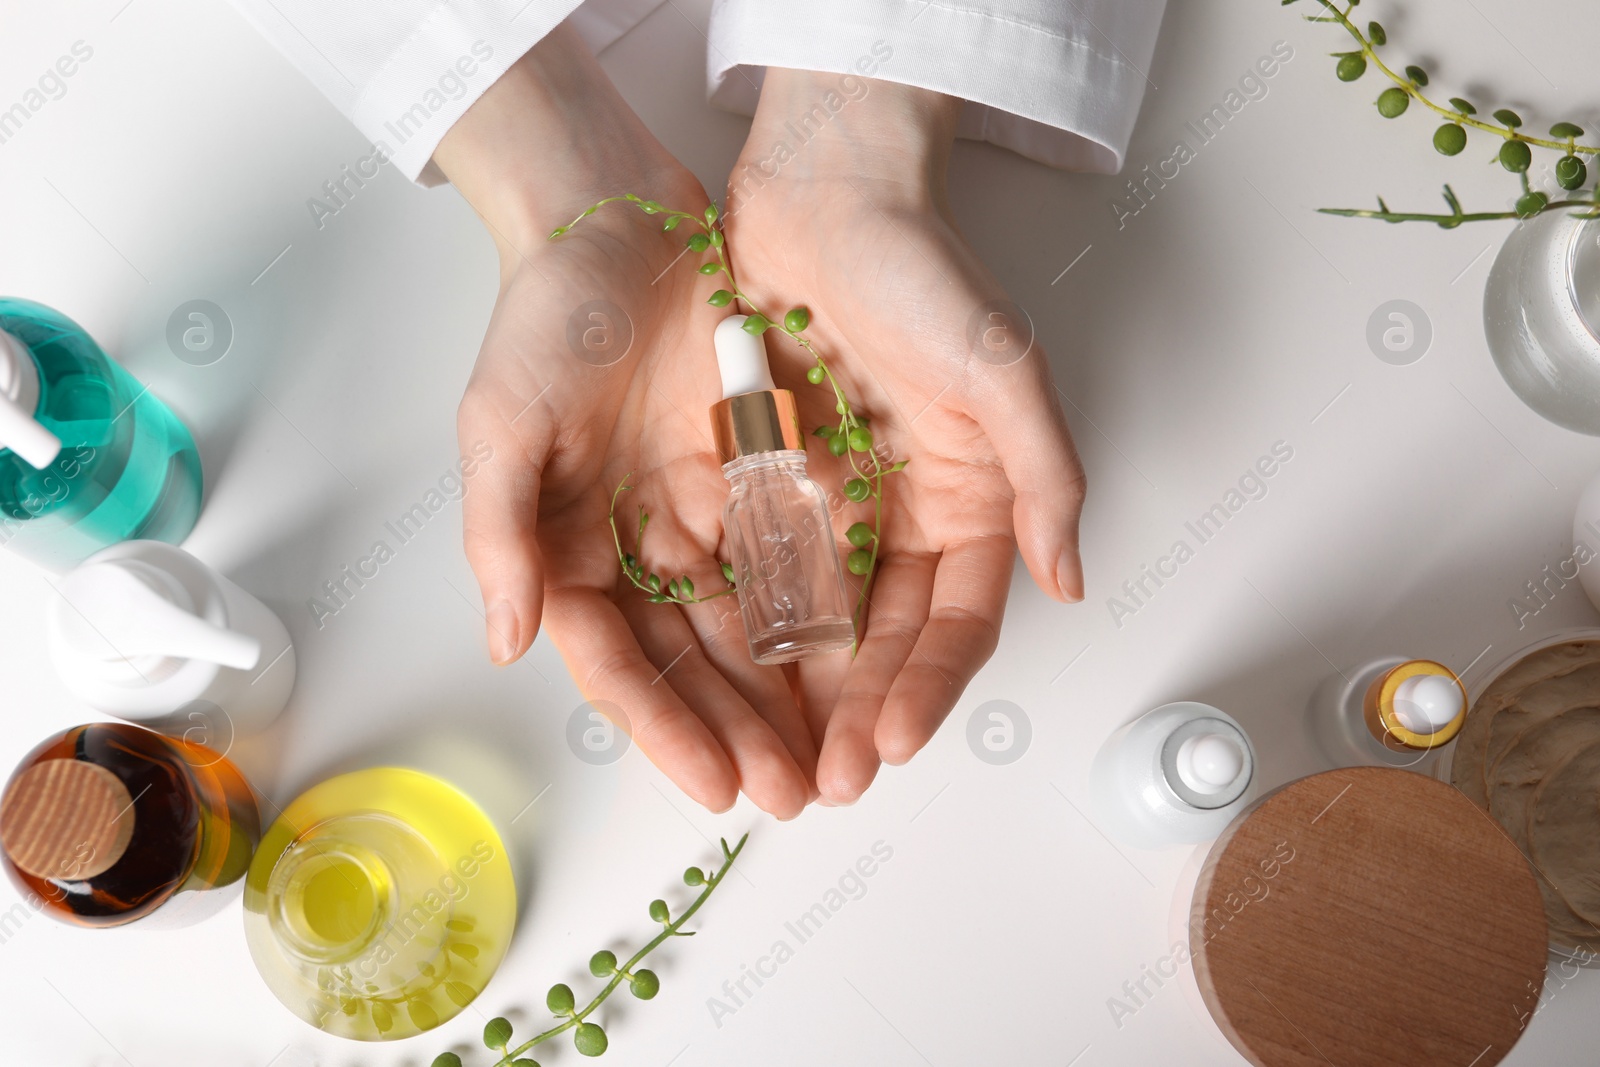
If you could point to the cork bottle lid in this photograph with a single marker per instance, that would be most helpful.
(1368, 916)
(66, 819)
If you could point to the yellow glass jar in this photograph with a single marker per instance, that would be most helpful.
(380, 904)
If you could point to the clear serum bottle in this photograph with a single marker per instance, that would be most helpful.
(785, 559)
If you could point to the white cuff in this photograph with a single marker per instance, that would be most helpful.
(1039, 76)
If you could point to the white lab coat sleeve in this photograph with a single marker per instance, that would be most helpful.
(1059, 81)
(405, 70)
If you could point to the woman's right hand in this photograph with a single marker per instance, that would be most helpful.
(597, 363)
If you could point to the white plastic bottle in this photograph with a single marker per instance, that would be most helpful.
(1176, 775)
(146, 632)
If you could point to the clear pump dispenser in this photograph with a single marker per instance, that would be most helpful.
(792, 592)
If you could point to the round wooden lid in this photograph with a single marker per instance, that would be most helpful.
(66, 819)
(1368, 915)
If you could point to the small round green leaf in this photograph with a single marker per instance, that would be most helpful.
(1417, 75)
(686, 587)
(497, 1033)
(1566, 130)
(709, 268)
(816, 375)
(1350, 67)
(1392, 102)
(1570, 172)
(861, 439)
(654, 582)
(659, 911)
(1375, 32)
(446, 1059)
(590, 1040)
(838, 444)
(727, 572)
(1463, 106)
(694, 876)
(859, 534)
(757, 324)
(1449, 139)
(698, 242)
(720, 299)
(603, 963)
(859, 562)
(857, 490)
(797, 319)
(524, 1063)
(711, 214)
(645, 984)
(1530, 204)
(716, 238)
(1506, 117)
(1515, 156)
(559, 999)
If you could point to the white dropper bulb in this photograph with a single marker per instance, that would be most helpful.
(741, 357)
(1427, 703)
(19, 396)
(1209, 763)
(121, 613)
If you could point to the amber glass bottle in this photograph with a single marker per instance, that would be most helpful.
(102, 824)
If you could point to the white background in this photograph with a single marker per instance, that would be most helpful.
(1226, 316)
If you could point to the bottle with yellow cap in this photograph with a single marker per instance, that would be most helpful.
(1390, 712)
(784, 555)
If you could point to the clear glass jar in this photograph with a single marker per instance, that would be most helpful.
(1541, 315)
(792, 592)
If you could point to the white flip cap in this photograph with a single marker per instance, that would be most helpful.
(1427, 703)
(742, 358)
(124, 610)
(19, 398)
(1209, 763)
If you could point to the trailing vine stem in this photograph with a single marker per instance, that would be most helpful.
(589, 1038)
(850, 439)
(1450, 139)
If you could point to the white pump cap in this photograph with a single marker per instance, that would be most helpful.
(1209, 763)
(19, 397)
(742, 358)
(128, 612)
(1427, 703)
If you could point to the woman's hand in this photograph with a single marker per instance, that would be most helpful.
(838, 203)
(598, 362)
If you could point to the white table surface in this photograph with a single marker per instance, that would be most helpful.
(1223, 318)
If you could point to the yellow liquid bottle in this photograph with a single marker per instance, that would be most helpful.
(379, 904)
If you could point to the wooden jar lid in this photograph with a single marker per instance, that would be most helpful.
(66, 819)
(1368, 915)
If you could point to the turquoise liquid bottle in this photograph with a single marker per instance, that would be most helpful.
(126, 467)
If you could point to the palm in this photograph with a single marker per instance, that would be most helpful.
(571, 420)
(891, 294)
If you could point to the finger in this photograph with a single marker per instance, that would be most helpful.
(1019, 409)
(499, 511)
(899, 607)
(765, 770)
(963, 628)
(719, 628)
(606, 659)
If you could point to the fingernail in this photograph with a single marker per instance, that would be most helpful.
(1069, 578)
(502, 633)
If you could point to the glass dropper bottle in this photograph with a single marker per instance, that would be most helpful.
(785, 558)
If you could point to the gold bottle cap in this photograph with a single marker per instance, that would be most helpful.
(763, 421)
(1389, 725)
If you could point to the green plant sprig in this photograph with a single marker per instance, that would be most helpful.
(1450, 139)
(676, 591)
(589, 1038)
(851, 438)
